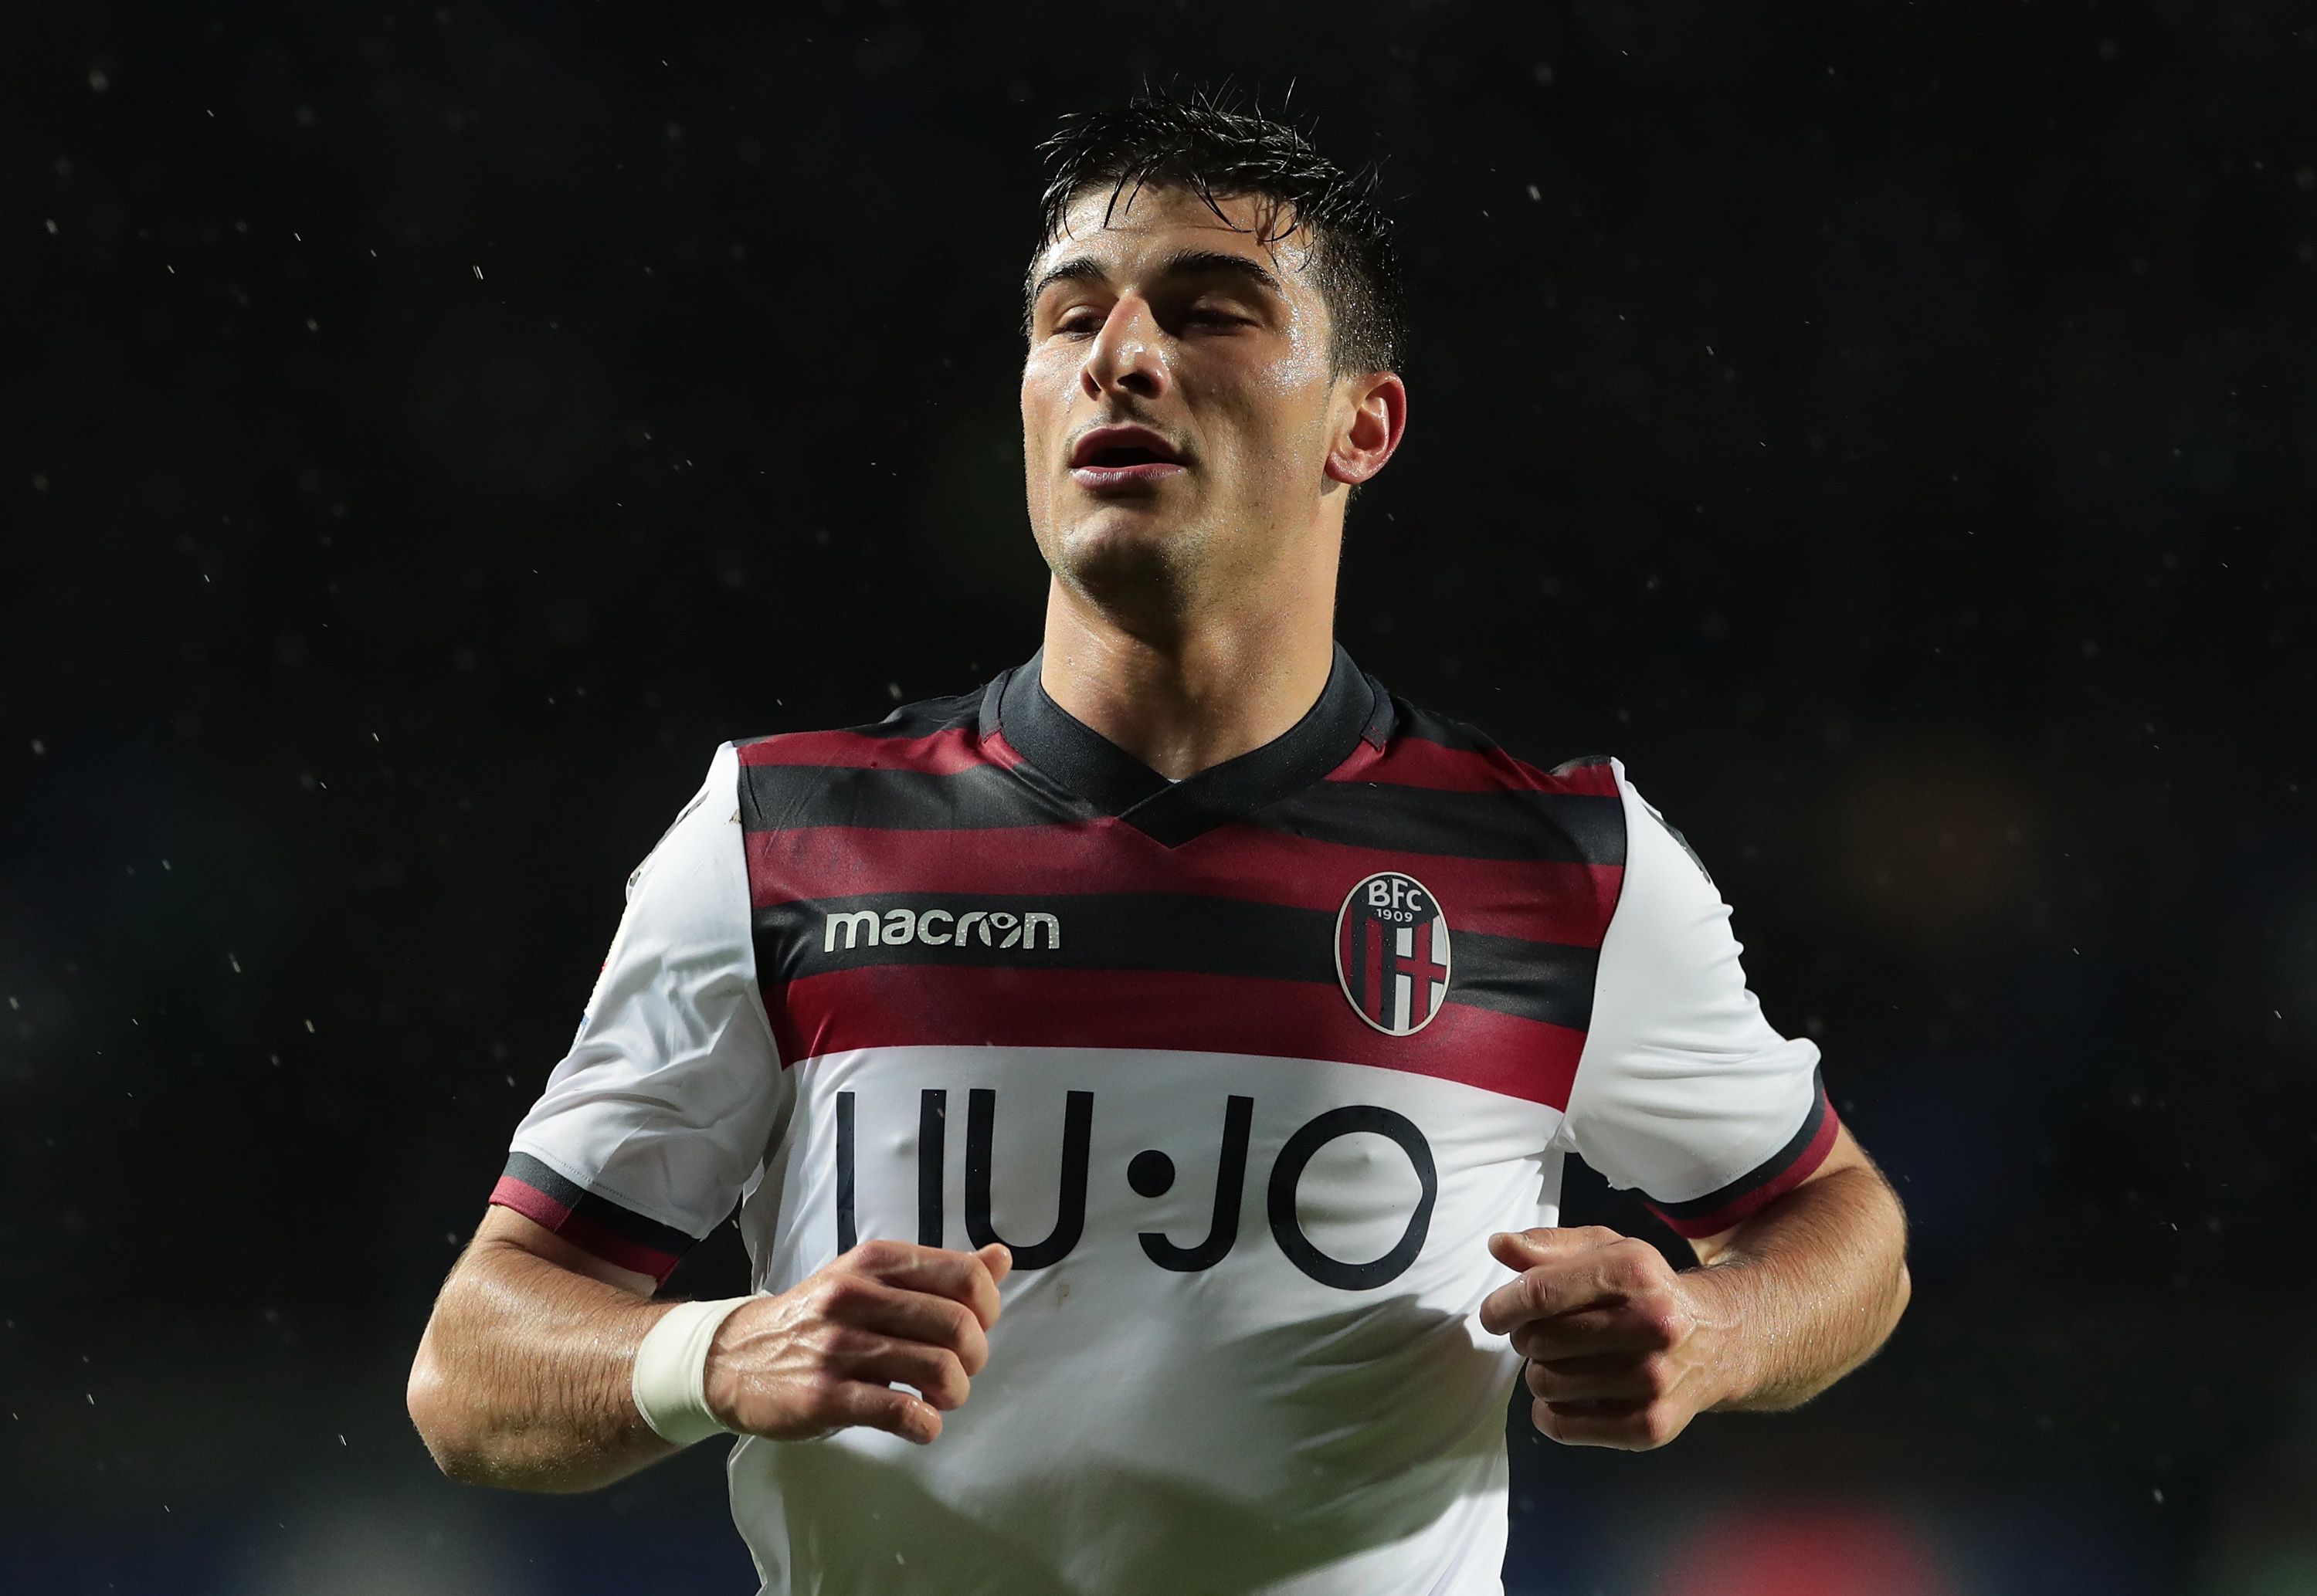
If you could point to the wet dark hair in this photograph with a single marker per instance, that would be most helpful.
(1202, 143)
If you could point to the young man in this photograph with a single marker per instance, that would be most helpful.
(1171, 1046)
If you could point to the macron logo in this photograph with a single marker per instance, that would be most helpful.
(940, 928)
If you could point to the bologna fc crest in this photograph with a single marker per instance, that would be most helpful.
(1391, 953)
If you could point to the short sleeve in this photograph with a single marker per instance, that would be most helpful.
(660, 1115)
(1684, 1089)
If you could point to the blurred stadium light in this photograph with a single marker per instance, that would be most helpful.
(1807, 1551)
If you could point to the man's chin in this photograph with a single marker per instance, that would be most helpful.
(1126, 522)
(1121, 546)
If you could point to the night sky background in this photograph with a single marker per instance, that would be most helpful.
(426, 433)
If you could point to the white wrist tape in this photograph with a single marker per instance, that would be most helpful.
(670, 1384)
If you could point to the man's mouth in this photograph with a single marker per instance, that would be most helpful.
(1109, 459)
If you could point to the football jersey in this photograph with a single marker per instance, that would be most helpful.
(1245, 1069)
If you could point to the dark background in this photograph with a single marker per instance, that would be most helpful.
(426, 432)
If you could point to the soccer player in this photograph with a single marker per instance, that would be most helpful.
(1144, 1081)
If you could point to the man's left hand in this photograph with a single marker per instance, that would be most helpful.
(1624, 1350)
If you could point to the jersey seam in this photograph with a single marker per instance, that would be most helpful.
(1565, 1136)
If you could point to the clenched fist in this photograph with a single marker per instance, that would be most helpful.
(1624, 1350)
(829, 1352)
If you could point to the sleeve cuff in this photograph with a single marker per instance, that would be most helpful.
(615, 1234)
(1756, 1189)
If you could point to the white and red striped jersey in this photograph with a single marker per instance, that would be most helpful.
(1245, 1069)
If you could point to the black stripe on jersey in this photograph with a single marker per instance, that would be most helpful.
(1762, 1174)
(1533, 980)
(1175, 932)
(1562, 827)
(1120, 931)
(1425, 726)
(922, 718)
(599, 1210)
(987, 796)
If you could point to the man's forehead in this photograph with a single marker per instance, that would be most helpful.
(1154, 221)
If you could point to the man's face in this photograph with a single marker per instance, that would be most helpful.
(1178, 414)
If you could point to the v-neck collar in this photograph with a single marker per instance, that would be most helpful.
(1096, 770)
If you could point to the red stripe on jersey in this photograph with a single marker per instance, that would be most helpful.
(580, 1230)
(1596, 778)
(1372, 969)
(1732, 1214)
(933, 1006)
(1535, 900)
(1424, 970)
(1412, 762)
(1000, 753)
(943, 753)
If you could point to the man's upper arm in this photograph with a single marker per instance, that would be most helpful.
(1685, 1091)
(504, 1227)
(660, 1115)
(1845, 1156)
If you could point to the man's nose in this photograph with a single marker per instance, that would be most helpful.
(1129, 355)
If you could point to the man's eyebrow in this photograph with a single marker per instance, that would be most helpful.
(1078, 269)
(1187, 262)
(1191, 262)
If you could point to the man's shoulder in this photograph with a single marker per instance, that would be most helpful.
(936, 737)
(1423, 748)
(1424, 783)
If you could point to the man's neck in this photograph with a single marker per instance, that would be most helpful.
(1187, 697)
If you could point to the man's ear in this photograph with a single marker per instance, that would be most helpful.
(1369, 428)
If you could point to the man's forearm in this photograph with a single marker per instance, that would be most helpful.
(1806, 1290)
(523, 1379)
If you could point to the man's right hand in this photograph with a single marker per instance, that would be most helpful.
(829, 1352)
